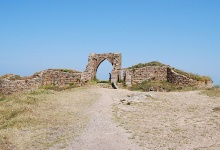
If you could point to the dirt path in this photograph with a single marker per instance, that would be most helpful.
(103, 133)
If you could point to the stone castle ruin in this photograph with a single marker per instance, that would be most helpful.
(64, 77)
(96, 59)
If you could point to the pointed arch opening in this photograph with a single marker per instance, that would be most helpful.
(104, 70)
(93, 64)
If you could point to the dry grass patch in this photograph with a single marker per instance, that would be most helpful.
(212, 92)
(171, 121)
(216, 109)
(160, 86)
(42, 119)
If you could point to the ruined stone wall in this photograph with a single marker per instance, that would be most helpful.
(164, 73)
(150, 73)
(56, 77)
(63, 77)
(12, 86)
(59, 77)
(179, 79)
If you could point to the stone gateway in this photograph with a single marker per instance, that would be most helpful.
(96, 59)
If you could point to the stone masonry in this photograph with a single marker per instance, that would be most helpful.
(96, 59)
(160, 73)
(179, 79)
(57, 77)
(62, 77)
(138, 75)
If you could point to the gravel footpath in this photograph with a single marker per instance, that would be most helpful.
(102, 133)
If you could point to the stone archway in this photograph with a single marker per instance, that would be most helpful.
(96, 59)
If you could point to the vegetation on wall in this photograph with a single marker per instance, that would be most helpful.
(153, 63)
(189, 75)
(192, 76)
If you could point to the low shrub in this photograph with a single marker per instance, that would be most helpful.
(2, 98)
(65, 70)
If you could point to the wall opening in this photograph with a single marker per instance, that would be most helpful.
(99, 59)
(103, 70)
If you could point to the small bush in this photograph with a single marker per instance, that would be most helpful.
(65, 70)
(93, 81)
(2, 98)
(71, 84)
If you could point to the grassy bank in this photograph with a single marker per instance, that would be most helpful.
(147, 86)
(43, 118)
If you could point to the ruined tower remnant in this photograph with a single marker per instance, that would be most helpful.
(96, 59)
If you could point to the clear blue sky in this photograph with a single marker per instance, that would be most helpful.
(41, 34)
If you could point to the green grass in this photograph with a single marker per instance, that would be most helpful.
(39, 91)
(95, 80)
(2, 98)
(65, 70)
(58, 88)
(146, 86)
(153, 63)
